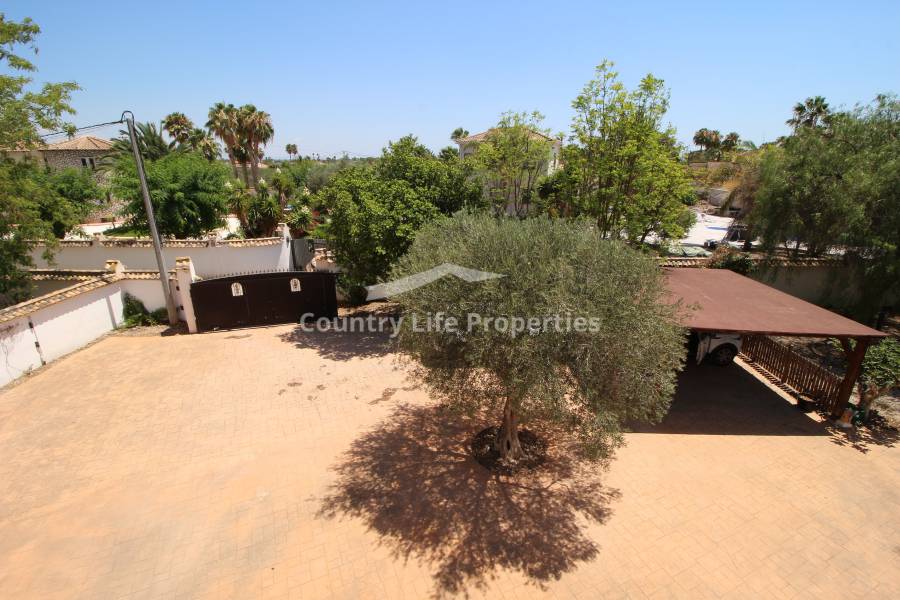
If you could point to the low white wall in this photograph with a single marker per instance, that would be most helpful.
(148, 291)
(209, 261)
(60, 328)
(67, 326)
(18, 354)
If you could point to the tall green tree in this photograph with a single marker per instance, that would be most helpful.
(376, 210)
(223, 123)
(511, 161)
(24, 113)
(255, 130)
(446, 184)
(622, 164)
(373, 220)
(188, 193)
(575, 332)
(37, 204)
(837, 188)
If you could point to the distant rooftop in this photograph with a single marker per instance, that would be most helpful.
(85, 142)
(480, 137)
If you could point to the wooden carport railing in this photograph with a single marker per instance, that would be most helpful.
(797, 372)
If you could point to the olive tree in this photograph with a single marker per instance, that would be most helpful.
(577, 330)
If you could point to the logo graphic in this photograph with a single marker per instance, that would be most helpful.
(381, 291)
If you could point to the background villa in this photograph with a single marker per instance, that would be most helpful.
(468, 144)
(79, 152)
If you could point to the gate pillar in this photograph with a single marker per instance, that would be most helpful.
(185, 275)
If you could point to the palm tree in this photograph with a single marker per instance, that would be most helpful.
(150, 141)
(711, 142)
(201, 141)
(223, 124)
(291, 149)
(701, 137)
(241, 156)
(731, 141)
(458, 134)
(812, 112)
(255, 131)
(178, 126)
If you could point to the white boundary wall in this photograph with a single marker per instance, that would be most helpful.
(210, 258)
(45, 328)
(59, 329)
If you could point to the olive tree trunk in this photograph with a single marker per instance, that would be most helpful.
(507, 440)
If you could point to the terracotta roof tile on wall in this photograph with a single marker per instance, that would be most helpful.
(64, 274)
(251, 242)
(703, 262)
(144, 274)
(35, 304)
(147, 243)
(679, 261)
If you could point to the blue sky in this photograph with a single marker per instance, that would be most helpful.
(350, 76)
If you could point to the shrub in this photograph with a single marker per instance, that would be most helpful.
(135, 314)
(729, 258)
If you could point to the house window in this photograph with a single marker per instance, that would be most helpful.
(88, 162)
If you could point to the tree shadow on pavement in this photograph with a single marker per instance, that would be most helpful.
(864, 437)
(413, 482)
(340, 345)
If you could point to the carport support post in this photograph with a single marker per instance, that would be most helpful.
(854, 367)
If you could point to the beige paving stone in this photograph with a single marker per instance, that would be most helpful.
(267, 463)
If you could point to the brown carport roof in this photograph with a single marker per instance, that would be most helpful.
(722, 300)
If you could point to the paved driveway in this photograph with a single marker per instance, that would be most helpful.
(267, 463)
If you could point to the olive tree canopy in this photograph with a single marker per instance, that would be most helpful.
(525, 354)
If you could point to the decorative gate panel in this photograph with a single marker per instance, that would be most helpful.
(262, 299)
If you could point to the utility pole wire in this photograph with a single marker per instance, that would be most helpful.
(85, 128)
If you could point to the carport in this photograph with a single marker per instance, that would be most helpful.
(719, 300)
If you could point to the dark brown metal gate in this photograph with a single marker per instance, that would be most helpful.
(253, 299)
